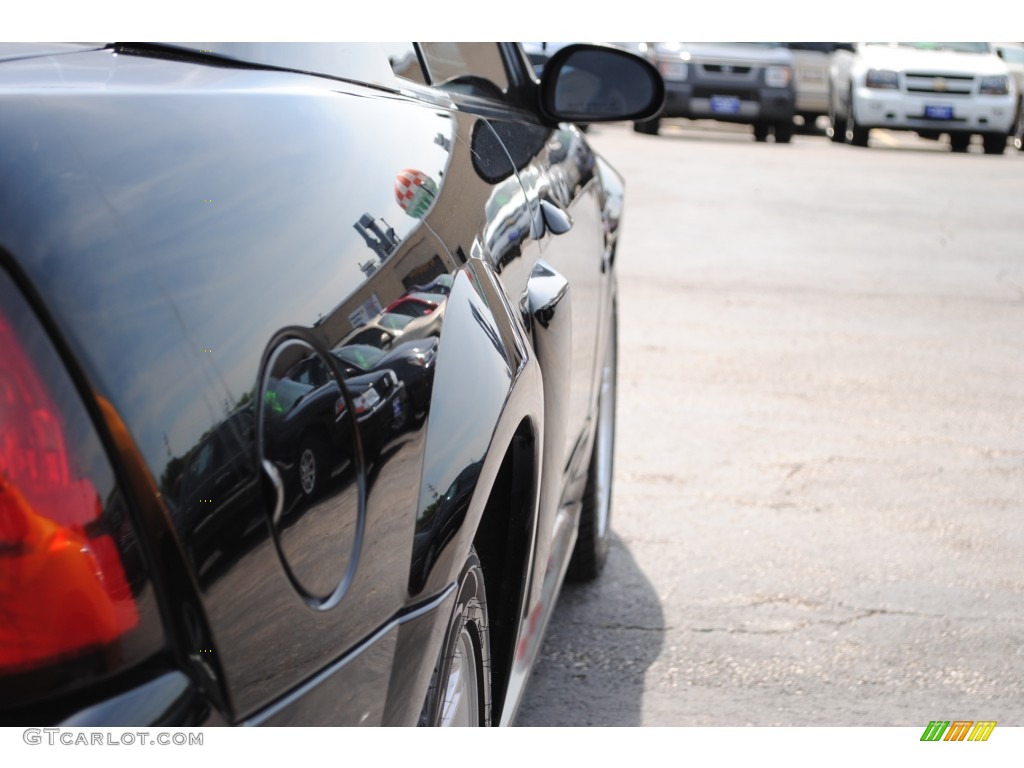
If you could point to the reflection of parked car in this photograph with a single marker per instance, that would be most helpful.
(441, 285)
(1013, 55)
(216, 491)
(300, 415)
(407, 319)
(959, 89)
(416, 304)
(278, 195)
(309, 401)
(750, 83)
(412, 362)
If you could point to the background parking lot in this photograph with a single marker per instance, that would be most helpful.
(820, 459)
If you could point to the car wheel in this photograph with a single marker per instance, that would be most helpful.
(857, 135)
(760, 131)
(960, 141)
(312, 466)
(650, 127)
(837, 125)
(993, 143)
(1018, 128)
(783, 133)
(594, 534)
(460, 688)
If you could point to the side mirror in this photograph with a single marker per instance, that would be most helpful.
(594, 83)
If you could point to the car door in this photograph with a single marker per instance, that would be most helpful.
(557, 255)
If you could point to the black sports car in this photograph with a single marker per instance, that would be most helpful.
(193, 530)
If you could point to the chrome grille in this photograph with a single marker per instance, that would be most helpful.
(938, 84)
(727, 69)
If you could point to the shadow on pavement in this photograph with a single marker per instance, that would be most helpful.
(602, 638)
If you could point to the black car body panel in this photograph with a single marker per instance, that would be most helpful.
(167, 217)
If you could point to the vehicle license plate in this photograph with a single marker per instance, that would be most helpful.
(729, 105)
(396, 409)
(939, 113)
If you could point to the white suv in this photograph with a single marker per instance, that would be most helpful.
(959, 89)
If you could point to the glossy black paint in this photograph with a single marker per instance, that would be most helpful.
(171, 218)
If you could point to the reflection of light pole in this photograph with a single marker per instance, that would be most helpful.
(390, 236)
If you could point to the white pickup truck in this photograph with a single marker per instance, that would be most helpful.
(959, 89)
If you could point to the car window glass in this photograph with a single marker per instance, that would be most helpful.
(282, 395)
(474, 68)
(1014, 55)
(311, 372)
(201, 462)
(362, 355)
(394, 322)
(412, 309)
(374, 337)
(405, 63)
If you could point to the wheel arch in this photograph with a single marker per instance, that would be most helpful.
(503, 543)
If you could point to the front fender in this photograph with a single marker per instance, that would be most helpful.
(486, 384)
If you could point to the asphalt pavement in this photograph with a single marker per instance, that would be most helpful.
(819, 493)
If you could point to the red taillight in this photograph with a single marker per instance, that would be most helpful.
(63, 589)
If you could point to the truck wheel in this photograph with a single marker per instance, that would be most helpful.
(783, 133)
(857, 134)
(649, 127)
(760, 131)
(1018, 128)
(994, 143)
(837, 125)
(959, 141)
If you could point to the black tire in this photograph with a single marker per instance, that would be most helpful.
(761, 131)
(466, 653)
(591, 551)
(959, 142)
(856, 134)
(312, 466)
(649, 127)
(783, 132)
(993, 143)
(1017, 132)
(837, 125)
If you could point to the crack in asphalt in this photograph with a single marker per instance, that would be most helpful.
(862, 613)
(865, 613)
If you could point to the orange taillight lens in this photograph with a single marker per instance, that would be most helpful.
(63, 588)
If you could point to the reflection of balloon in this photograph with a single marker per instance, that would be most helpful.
(415, 192)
